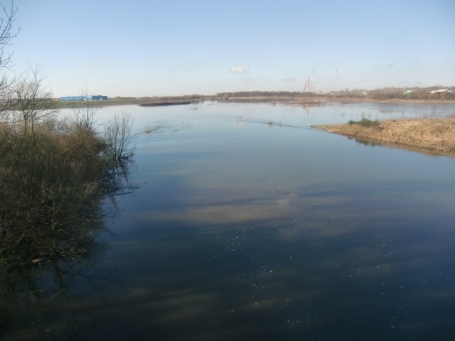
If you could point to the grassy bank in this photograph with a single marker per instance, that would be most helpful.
(435, 134)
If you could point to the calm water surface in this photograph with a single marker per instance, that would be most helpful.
(251, 225)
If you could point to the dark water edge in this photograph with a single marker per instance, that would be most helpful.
(247, 230)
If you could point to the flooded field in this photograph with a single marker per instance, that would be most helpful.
(248, 224)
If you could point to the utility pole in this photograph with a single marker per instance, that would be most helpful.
(336, 80)
(308, 86)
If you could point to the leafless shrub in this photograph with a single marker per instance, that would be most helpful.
(53, 174)
(119, 138)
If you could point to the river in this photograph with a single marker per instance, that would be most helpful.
(248, 224)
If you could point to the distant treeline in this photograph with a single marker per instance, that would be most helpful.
(188, 98)
(415, 93)
(262, 94)
(224, 96)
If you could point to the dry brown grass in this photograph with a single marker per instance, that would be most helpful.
(437, 134)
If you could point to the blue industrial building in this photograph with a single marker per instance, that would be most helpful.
(99, 98)
(84, 98)
(74, 98)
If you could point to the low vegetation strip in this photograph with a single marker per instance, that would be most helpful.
(162, 104)
(438, 134)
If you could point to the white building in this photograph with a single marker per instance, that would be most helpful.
(441, 90)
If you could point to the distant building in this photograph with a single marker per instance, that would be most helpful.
(74, 98)
(441, 90)
(408, 92)
(99, 98)
(84, 98)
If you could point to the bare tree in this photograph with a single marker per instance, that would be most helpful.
(6, 35)
(33, 102)
(83, 118)
(119, 138)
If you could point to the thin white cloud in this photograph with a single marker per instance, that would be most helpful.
(248, 80)
(290, 79)
(239, 69)
(257, 79)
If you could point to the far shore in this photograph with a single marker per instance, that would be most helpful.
(291, 100)
(114, 101)
(431, 134)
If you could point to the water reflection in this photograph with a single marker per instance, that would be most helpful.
(345, 261)
(376, 143)
(263, 243)
(50, 301)
(46, 296)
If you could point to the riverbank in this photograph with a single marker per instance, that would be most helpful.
(434, 134)
(346, 100)
(126, 101)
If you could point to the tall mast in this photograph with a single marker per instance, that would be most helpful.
(307, 87)
(336, 80)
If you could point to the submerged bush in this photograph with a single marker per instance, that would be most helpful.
(53, 174)
(118, 138)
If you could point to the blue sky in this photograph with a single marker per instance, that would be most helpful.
(167, 47)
